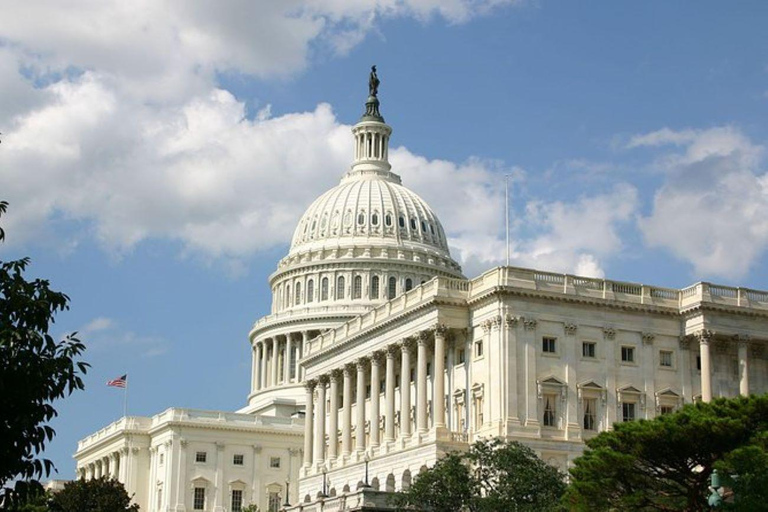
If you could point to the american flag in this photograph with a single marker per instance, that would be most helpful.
(119, 382)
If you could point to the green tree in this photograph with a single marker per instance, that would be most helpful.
(744, 474)
(492, 475)
(664, 463)
(97, 495)
(36, 370)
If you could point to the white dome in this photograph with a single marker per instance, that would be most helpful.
(370, 208)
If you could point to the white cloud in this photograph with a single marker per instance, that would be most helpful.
(104, 334)
(712, 210)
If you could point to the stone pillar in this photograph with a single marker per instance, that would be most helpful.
(302, 348)
(275, 357)
(389, 395)
(320, 421)
(421, 383)
(287, 361)
(255, 368)
(360, 423)
(376, 361)
(743, 341)
(346, 413)
(705, 336)
(263, 370)
(438, 400)
(308, 422)
(405, 388)
(333, 419)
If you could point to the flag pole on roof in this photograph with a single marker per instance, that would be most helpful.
(121, 382)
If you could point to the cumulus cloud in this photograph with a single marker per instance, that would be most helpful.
(712, 210)
(104, 334)
(113, 118)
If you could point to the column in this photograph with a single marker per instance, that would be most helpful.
(346, 413)
(405, 388)
(263, 369)
(275, 354)
(320, 421)
(376, 361)
(309, 386)
(705, 336)
(743, 341)
(287, 362)
(438, 400)
(255, 368)
(360, 424)
(389, 395)
(302, 348)
(333, 420)
(421, 382)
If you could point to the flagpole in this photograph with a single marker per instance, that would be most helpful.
(125, 399)
(506, 211)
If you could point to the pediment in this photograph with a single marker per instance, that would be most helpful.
(591, 385)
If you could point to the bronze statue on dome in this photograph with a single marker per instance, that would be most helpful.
(373, 82)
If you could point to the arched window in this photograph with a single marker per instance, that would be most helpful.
(375, 287)
(408, 284)
(357, 289)
(401, 220)
(340, 288)
(392, 288)
(375, 219)
(432, 229)
(287, 296)
(297, 300)
(424, 226)
(388, 219)
(361, 218)
(324, 289)
(413, 224)
(310, 290)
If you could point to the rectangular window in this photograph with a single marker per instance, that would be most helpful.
(628, 354)
(382, 385)
(198, 503)
(628, 411)
(236, 503)
(292, 362)
(201, 456)
(412, 375)
(479, 348)
(162, 458)
(429, 369)
(274, 502)
(588, 349)
(460, 356)
(698, 363)
(237, 459)
(274, 462)
(548, 345)
(666, 409)
(549, 419)
(590, 416)
(665, 358)
(367, 391)
(159, 498)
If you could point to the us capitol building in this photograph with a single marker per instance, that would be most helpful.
(378, 356)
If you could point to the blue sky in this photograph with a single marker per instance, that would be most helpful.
(157, 156)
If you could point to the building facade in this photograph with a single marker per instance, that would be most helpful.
(378, 356)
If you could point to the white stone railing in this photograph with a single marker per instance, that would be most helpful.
(443, 286)
(213, 417)
(126, 423)
(306, 311)
(637, 293)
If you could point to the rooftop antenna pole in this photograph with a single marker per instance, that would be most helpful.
(506, 211)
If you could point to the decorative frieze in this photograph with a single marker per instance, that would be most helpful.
(609, 333)
(648, 338)
(570, 328)
(529, 323)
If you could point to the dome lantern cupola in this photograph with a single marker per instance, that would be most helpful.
(371, 135)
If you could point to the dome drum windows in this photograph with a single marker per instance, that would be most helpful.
(357, 288)
(340, 288)
(297, 299)
(408, 284)
(388, 220)
(375, 219)
(324, 289)
(413, 224)
(391, 288)
(310, 290)
(374, 287)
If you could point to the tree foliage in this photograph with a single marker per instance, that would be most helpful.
(744, 473)
(36, 370)
(493, 475)
(664, 463)
(97, 495)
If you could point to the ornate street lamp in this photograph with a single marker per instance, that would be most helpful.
(325, 482)
(367, 459)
